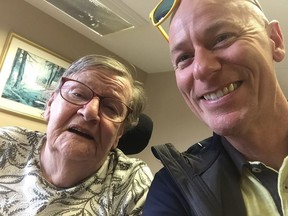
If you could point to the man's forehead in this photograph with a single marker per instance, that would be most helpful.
(254, 2)
(194, 11)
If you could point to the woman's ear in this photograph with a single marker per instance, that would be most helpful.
(277, 37)
(48, 107)
(119, 135)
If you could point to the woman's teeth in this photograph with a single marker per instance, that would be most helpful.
(220, 93)
(80, 133)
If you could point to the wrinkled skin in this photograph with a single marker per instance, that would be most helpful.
(69, 156)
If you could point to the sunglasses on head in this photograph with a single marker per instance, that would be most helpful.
(161, 12)
(164, 9)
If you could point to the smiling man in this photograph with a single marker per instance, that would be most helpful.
(224, 52)
(75, 168)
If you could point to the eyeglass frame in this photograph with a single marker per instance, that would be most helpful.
(65, 79)
(176, 3)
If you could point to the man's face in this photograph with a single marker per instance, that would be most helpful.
(223, 58)
(80, 133)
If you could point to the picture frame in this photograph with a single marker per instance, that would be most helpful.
(28, 72)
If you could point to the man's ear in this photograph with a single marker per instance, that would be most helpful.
(277, 37)
(48, 107)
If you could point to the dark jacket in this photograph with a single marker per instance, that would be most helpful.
(203, 181)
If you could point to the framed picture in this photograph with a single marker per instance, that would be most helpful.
(28, 72)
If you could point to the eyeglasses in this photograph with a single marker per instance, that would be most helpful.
(161, 12)
(79, 94)
(164, 9)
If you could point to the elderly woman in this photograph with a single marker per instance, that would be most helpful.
(75, 167)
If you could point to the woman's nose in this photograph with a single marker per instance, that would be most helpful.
(91, 110)
(205, 63)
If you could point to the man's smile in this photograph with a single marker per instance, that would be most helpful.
(222, 92)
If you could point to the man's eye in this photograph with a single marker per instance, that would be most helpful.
(183, 61)
(224, 40)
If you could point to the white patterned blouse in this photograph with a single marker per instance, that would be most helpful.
(119, 187)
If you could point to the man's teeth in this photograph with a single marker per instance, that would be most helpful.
(220, 93)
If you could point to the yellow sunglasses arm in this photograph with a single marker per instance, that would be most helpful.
(163, 32)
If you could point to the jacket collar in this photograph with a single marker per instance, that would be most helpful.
(237, 158)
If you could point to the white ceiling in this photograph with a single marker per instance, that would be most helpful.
(143, 45)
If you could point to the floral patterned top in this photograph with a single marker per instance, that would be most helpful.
(119, 187)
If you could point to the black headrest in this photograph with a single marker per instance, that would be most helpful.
(137, 138)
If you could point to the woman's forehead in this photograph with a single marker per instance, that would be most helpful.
(105, 82)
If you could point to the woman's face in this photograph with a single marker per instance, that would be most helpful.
(80, 133)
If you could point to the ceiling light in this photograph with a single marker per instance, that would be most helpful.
(93, 14)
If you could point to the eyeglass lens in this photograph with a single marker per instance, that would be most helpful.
(79, 94)
(162, 9)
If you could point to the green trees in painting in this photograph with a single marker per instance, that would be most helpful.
(30, 79)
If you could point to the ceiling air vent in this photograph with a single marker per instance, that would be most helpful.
(93, 14)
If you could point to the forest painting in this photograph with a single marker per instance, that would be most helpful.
(28, 89)
(27, 76)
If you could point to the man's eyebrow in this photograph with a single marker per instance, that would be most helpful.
(219, 24)
(178, 47)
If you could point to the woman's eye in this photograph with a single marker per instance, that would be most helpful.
(111, 109)
(77, 94)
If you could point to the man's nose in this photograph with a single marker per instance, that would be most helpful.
(205, 63)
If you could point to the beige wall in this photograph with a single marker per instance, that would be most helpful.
(173, 121)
